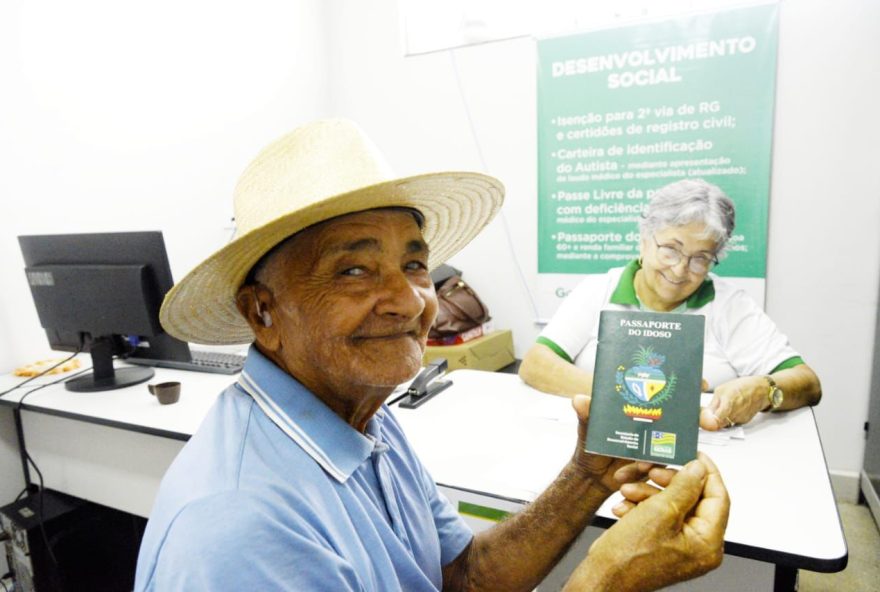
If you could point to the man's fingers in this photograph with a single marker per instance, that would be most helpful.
(622, 508)
(635, 471)
(662, 476)
(638, 492)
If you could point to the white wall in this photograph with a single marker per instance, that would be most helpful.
(125, 118)
(119, 116)
(824, 249)
(137, 116)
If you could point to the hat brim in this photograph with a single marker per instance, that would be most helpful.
(456, 206)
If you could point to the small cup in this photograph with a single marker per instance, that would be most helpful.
(167, 392)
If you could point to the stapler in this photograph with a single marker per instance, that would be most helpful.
(426, 384)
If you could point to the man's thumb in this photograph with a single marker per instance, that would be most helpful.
(686, 487)
(581, 404)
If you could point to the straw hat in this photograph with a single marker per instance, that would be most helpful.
(319, 171)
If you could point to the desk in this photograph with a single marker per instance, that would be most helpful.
(110, 447)
(488, 439)
(493, 441)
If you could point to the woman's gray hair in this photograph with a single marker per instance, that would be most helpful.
(687, 201)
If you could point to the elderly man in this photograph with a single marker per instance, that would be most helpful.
(300, 478)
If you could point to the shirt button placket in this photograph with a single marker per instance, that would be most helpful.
(383, 473)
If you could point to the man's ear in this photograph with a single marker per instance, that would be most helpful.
(253, 302)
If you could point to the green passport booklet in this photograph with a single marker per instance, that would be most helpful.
(646, 386)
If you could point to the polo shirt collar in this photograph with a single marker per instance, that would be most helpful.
(332, 443)
(625, 292)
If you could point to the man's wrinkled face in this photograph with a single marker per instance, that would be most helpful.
(352, 301)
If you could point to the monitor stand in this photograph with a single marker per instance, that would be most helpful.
(103, 376)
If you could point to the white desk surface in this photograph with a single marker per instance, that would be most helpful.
(110, 447)
(490, 433)
(132, 407)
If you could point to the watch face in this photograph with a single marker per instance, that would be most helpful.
(776, 398)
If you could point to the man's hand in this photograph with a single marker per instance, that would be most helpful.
(664, 536)
(606, 471)
(519, 552)
(735, 401)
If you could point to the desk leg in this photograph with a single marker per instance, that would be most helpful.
(786, 579)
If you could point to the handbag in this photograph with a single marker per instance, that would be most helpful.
(459, 309)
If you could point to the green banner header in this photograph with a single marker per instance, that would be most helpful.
(623, 112)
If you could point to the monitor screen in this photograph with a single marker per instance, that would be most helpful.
(101, 293)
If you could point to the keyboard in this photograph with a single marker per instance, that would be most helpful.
(202, 361)
(220, 362)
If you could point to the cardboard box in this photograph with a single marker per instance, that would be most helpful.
(490, 352)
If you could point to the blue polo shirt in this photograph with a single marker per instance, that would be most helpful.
(276, 492)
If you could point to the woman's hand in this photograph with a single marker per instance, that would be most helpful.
(736, 401)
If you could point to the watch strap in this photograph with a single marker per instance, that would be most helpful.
(772, 387)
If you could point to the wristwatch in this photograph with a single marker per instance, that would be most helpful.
(775, 396)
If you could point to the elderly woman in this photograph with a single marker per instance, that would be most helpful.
(747, 363)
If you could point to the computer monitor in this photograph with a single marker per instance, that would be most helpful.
(101, 293)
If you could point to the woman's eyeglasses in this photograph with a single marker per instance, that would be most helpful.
(699, 263)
